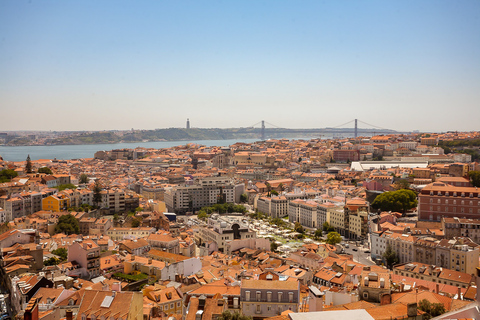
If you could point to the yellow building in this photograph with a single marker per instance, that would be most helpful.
(56, 202)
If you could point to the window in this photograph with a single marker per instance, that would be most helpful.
(269, 296)
(247, 295)
(259, 295)
(290, 297)
(258, 309)
(171, 305)
(280, 295)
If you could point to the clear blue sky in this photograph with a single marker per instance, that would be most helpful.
(95, 65)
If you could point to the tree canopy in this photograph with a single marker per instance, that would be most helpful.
(135, 223)
(390, 256)
(62, 253)
(7, 174)
(327, 227)
(67, 224)
(28, 165)
(432, 309)
(97, 196)
(66, 186)
(400, 201)
(474, 178)
(46, 170)
(333, 238)
(83, 178)
(298, 227)
(228, 315)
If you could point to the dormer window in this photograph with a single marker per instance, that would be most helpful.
(447, 193)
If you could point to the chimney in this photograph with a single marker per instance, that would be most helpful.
(437, 286)
(412, 310)
(69, 314)
(149, 260)
(459, 293)
(117, 286)
(132, 257)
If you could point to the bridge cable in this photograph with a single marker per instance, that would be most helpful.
(343, 124)
(371, 125)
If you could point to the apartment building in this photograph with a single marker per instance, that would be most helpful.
(21, 204)
(346, 155)
(438, 200)
(267, 298)
(402, 244)
(220, 230)
(86, 256)
(459, 227)
(424, 271)
(164, 241)
(129, 233)
(457, 254)
(114, 200)
(205, 193)
(56, 203)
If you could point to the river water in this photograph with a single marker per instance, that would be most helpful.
(65, 152)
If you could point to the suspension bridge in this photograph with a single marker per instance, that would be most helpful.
(336, 130)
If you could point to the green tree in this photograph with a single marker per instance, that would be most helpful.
(46, 170)
(135, 223)
(401, 184)
(83, 178)
(97, 196)
(298, 227)
(333, 238)
(62, 253)
(202, 215)
(273, 193)
(318, 233)
(327, 227)
(67, 224)
(228, 315)
(400, 201)
(273, 246)
(28, 165)
(474, 178)
(390, 256)
(66, 186)
(431, 309)
(244, 198)
(7, 174)
(53, 261)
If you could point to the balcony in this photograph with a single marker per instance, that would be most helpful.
(93, 256)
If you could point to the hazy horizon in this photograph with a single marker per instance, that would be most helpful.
(117, 65)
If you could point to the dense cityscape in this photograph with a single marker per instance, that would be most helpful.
(371, 227)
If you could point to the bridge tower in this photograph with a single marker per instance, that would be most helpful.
(356, 128)
(263, 130)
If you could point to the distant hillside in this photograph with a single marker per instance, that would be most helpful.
(180, 134)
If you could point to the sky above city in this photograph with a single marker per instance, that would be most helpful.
(103, 65)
